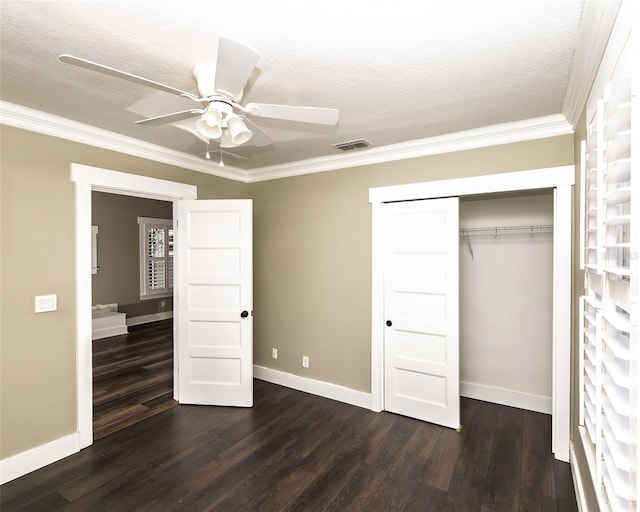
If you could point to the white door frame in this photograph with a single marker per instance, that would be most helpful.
(561, 179)
(88, 179)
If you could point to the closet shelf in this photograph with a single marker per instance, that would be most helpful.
(496, 230)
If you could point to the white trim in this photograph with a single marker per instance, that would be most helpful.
(510, 397)
(315, 387)
(559, 178)
(505, 133)
(582, 226)
(589, 453)
(108, 332)
(578, 483)
(156, 296)
(561, 371)
(502, 182)
(145, 319)
(598, 19)
(377, 307)
(84, 318)
(35, 458)
(115, 182)
(49, 124)
(86, 179)
(615, 44)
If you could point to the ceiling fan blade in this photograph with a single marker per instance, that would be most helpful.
(100, 68)
(234, 65)
(316, 115)
(260, 137)
(170, 118)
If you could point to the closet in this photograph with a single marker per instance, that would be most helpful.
(512, 341)
(506, 284)
(467, 302)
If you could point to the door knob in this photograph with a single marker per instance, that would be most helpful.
(244, 314)
(389, 323)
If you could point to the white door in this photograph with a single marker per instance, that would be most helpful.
(421, 368)
(214, 326)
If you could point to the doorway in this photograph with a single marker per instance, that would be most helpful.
(88, 179)
(133, 371)
(560, 179)
(213, 274)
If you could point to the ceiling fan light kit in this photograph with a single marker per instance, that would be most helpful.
(210, 124)
(220, 87)
(238, 131)
(219, 122)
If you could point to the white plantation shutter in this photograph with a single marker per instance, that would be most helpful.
(156, 257)
(170, 258)
(608, 310)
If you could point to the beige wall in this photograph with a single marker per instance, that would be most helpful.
(37, 372)
(312, 265)
(312, 255)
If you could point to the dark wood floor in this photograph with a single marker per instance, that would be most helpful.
(293, 451)
(132, 377)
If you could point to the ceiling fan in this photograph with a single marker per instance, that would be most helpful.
(220, 88)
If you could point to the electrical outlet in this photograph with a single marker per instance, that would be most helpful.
(274, 353)
(305, 361)
(162, 303)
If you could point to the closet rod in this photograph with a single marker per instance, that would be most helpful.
(532, 228)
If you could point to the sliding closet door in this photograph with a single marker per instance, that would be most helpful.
(421, 310)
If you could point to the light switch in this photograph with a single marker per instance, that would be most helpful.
(46, 303)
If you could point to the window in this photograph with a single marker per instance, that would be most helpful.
(156, 257)
(609, 402)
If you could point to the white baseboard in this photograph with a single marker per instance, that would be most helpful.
(537, 403)
(107, 332)
(107, 321)
(22, 463)
(315, 387)
(578, 484)
(145, 319)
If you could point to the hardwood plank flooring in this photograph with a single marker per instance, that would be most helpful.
(291, 452)
(132, 377)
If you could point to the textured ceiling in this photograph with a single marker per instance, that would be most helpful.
(396, 70)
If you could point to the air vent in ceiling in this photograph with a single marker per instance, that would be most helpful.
(352, 144)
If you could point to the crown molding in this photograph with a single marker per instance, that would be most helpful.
(627, 19)
(33, 120)
(505, 133)
(598, 19)
(519, 131)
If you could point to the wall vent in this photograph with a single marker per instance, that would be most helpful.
(352, 144)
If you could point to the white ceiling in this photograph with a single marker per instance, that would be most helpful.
(397, 70)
